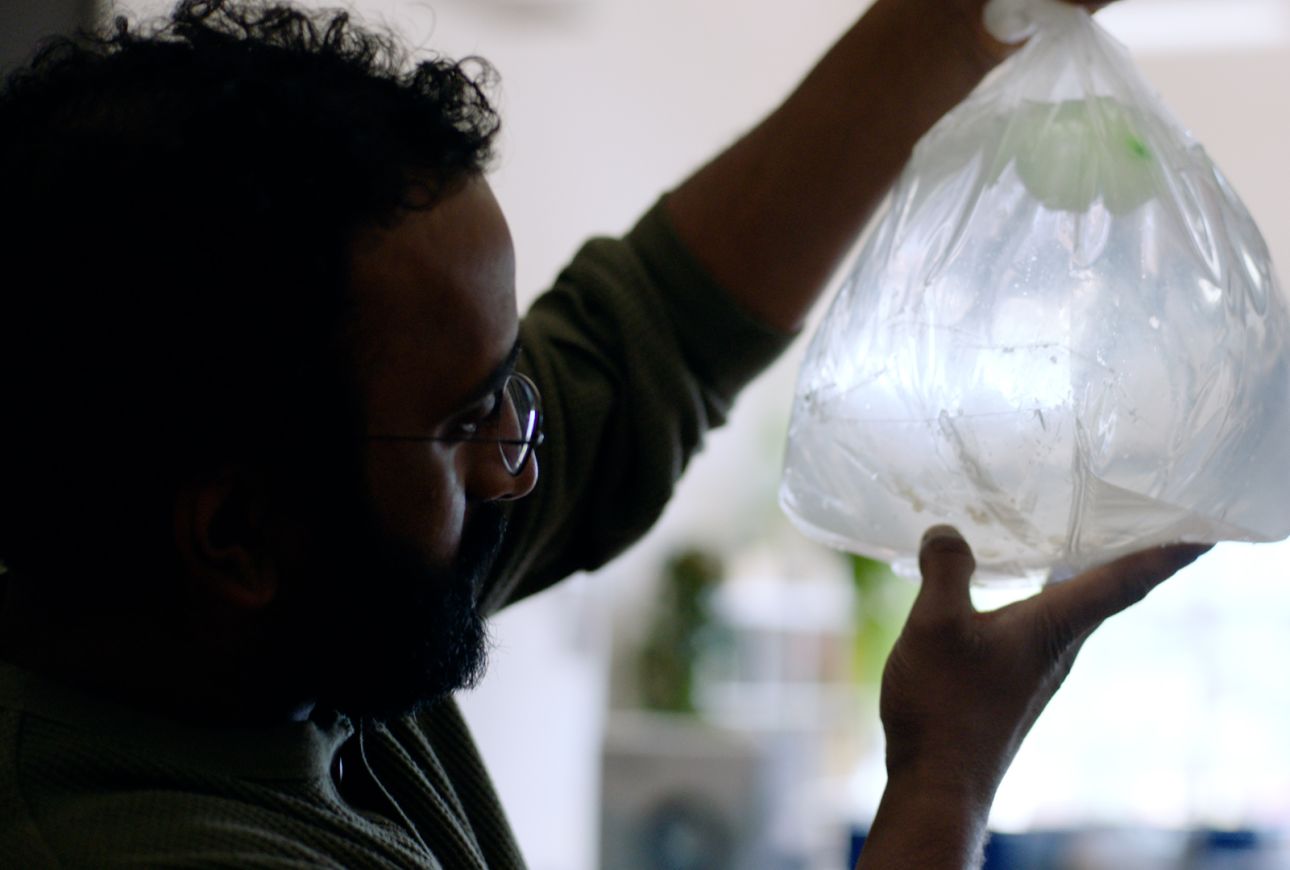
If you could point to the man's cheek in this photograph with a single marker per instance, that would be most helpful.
(420, 502)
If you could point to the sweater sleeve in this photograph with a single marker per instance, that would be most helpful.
(637, 353)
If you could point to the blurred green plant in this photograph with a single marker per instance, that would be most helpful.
(882, 601)
(678, 631)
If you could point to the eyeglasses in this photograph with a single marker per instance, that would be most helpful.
(514, 425)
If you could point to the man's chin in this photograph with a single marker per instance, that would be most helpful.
(403, 633)
(397, 683)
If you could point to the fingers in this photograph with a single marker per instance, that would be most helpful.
(1080, 604)
(946, 563)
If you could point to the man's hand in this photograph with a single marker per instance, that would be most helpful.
(962, 689)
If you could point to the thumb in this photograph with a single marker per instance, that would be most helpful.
(946, 563)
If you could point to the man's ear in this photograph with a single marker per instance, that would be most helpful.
(223, 540)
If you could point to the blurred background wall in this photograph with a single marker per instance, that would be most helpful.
(22, 22)
(1178, 713)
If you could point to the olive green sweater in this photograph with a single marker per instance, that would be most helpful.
(637, 355)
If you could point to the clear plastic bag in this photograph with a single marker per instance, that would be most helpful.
(1063, 336)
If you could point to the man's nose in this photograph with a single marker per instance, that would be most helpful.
(522, 484)
(493, 481)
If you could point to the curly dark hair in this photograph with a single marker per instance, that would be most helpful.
(178, 204)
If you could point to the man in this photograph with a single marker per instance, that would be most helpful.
(273, 432)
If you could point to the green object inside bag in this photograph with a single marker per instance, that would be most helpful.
(1072, 154)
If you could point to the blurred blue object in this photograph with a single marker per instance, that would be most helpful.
(1138, 848)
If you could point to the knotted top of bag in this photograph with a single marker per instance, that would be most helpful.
(1014, 21)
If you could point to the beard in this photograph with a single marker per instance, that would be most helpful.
(383, 631)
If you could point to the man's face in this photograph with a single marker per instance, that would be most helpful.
(437, 330)
(401, 563)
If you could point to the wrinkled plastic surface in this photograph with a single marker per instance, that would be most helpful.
(1063, 336)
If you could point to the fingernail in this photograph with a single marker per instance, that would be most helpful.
(942, 538)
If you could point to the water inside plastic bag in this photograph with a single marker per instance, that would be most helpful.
(1064, 337)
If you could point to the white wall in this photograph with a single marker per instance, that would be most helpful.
(24, 21)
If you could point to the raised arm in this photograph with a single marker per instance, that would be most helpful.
(772, 216)
(962, 689)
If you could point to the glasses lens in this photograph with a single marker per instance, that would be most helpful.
(518, 422)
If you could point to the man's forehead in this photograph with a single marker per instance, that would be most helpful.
(453, 253)
(436, 292)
